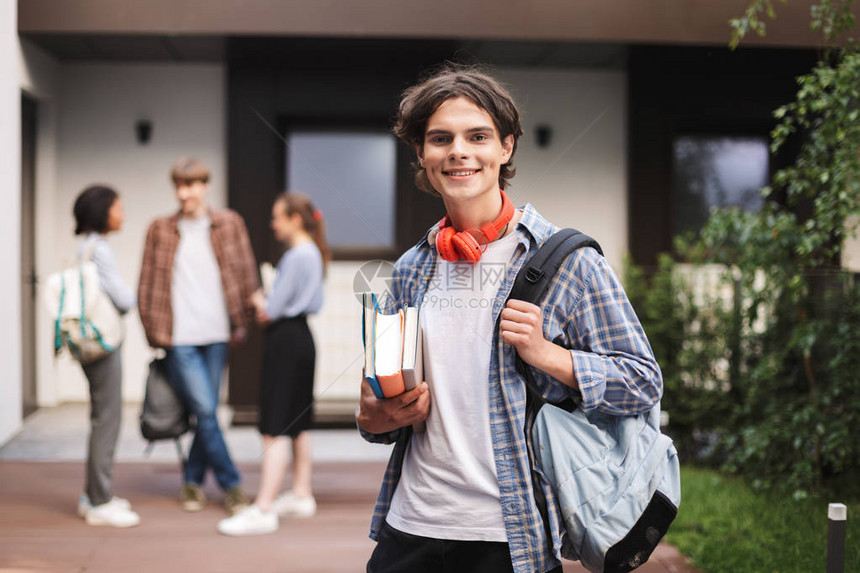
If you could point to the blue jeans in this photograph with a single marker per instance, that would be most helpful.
(195, 372)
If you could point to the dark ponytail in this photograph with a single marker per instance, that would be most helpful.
(312, 220)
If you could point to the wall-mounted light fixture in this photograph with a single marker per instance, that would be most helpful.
(143, 130)
(543, 135)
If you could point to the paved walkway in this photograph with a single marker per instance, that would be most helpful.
(40, 532)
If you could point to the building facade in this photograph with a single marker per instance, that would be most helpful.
(612, 94)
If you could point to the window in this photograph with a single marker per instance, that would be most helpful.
(715, 171)
(351, 177)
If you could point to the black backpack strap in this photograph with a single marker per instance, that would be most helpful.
(531, 285)
(533, 281)
(537, 273)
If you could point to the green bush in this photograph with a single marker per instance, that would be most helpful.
(684, 337)
(766, 384)
(765, 380)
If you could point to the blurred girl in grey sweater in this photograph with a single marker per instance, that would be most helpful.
(98, 212)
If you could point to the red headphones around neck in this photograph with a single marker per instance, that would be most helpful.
(470, 244)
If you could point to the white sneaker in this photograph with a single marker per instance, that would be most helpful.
(250, 520)
(290, 504)
(84, 504)
(113, 514)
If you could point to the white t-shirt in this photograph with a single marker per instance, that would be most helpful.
(449, 488)
(200, 313)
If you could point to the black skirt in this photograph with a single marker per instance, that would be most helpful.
(287, 384)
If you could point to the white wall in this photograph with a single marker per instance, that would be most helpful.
(337, 334)
(580, 179)
(98, 107)
(39, 76)
(10, 224)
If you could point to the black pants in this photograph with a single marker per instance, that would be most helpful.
(399, 552)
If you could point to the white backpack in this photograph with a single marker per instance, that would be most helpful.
(85, 320)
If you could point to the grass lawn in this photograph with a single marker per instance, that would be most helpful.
(725, 526)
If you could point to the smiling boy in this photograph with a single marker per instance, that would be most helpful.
(458, 497)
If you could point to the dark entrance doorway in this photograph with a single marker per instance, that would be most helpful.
(28, 254)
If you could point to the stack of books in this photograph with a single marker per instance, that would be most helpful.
(393, 358)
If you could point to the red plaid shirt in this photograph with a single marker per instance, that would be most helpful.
(239, 276)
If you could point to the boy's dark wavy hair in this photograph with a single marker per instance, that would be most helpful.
(449, 81)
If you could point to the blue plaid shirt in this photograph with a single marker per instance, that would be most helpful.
(586, 311)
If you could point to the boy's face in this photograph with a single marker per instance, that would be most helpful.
(462, 151)
(191, 196)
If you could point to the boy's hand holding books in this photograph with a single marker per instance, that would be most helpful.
(393, 368)
(382, 415)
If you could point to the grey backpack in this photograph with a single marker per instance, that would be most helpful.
(616, 478)
(163, 415)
